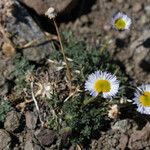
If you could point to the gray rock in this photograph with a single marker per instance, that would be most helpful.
(119, 1)
(4, 89)
(24, 30)
(30, 142)
(2, 80)
(138, 57)
(137, 7)
(41, 6)
(147, 9)
(12, 121)
(147, 148)
(140, 138)
(64, 134)
(16, 148)
(122, 125)
(113, 142)
(5, 70)
(31, 146)
(31, 119)
(145, 63)
(123, 142)
(46, 137)
(5, 140)
(84, 19)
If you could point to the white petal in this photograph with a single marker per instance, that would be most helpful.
(126, 19)
(140, 108)
(114, 84)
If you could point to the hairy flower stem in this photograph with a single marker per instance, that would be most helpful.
(63, 52)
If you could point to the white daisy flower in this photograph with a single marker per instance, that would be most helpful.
(121, 21)
(142, 99)
(102, 82)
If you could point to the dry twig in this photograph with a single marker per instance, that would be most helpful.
(36, 104)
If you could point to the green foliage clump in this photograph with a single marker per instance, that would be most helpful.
(22, 67)
(56, 105)
(85, 117)
(82, 114)
(88, 59)
(5, 107)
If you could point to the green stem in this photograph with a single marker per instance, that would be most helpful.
(62, 50)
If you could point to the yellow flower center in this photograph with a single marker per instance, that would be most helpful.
(101, 86)
(120, 24)
(145, 99)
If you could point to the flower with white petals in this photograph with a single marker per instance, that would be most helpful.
(102, 83)
(142, 99)
(121, 21)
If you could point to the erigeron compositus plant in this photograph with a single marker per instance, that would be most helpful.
(102, 83)
(120, 21)
(142, 99)
(51, 13)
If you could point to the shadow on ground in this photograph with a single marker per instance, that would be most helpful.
(82, 8)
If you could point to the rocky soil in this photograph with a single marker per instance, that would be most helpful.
(21, 31)
(130, 48)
